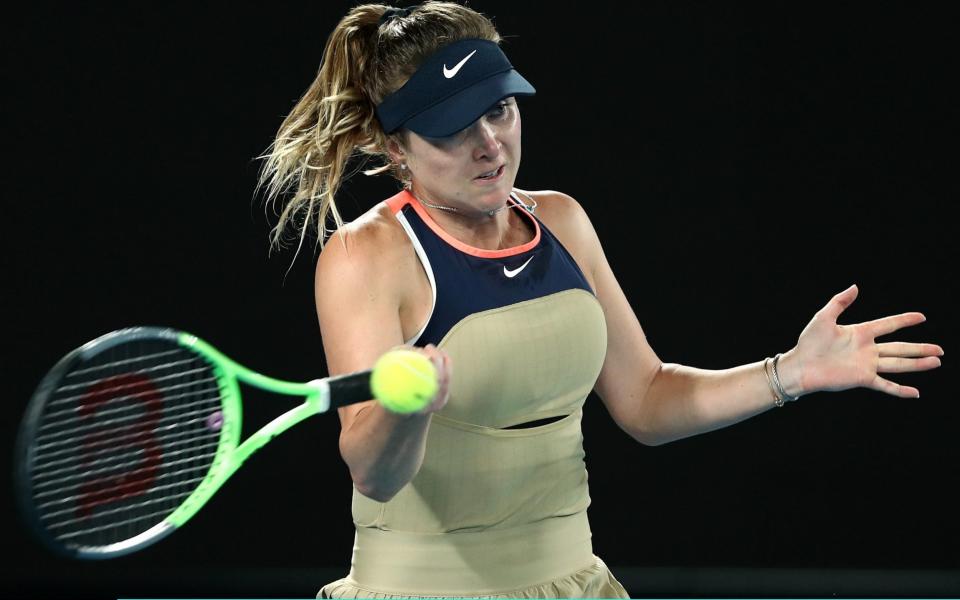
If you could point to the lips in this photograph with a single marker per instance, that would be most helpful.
(490, 175)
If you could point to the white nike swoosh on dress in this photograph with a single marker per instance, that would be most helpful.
(510, 273)
(448, 73)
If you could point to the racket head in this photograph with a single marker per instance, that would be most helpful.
(119, 439)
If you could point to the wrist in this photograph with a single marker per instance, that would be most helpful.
(790, 371)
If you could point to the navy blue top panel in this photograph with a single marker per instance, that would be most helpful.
(468, 284)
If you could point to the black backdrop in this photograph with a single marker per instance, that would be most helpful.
(741, 165)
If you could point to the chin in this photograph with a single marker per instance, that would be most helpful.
(497, 195)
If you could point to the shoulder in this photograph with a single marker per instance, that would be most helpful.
(370, 246)
(358, 291)
(376, 233)
(561, 212)
(568, 221)
(552, 201)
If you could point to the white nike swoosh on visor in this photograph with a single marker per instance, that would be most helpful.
(448, 73)
(510, 273)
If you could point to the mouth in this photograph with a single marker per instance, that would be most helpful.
(493, 175)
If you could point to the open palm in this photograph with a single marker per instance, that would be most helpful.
(835, 357)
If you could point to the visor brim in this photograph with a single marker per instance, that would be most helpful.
(463, 108)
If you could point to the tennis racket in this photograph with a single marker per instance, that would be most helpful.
(128, 436)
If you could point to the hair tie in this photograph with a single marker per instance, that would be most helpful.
(394, 11)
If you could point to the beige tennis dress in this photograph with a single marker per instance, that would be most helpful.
(494, 511)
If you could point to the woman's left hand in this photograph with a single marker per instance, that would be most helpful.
(833, 357)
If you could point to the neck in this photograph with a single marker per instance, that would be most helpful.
(482, 229)
(454, 209)
(463, 213)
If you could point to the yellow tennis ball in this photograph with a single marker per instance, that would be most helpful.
(404, 381)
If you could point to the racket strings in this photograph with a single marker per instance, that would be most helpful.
(154, 516)
(69, 510)
(129, 468)
(121, 363)
(59, 468)
(107, 412)
(120, 425)
(128, 386)
(128, 435)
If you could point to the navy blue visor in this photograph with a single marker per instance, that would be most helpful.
(452, 89)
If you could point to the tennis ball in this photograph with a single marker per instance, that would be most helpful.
(404, 381)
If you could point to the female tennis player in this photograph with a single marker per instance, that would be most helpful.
(484, 492)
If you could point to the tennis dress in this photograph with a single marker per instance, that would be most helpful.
(494, 511)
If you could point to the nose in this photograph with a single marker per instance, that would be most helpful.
(485, 136)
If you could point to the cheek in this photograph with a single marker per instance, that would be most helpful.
(515, 136)
(437, 166)
(515, 128)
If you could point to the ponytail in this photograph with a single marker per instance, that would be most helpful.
(364, 61)
(331, 121)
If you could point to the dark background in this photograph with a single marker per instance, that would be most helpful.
(741, 164)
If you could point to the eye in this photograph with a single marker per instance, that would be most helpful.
(443, 142)
(499, 111)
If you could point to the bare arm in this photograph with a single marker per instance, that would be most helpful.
(358, 308)
(685, 401)
(657, 403)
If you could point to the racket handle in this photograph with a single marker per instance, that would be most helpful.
(350, 388)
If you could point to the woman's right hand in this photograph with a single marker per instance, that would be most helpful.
(441, 361)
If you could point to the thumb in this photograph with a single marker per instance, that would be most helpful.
(840, 302)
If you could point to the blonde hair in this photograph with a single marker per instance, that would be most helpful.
(363, 62)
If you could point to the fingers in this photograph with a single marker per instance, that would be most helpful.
(441, 361)
(886, 325)
(905, 357)
(907, 365)
(840, 302)
(443, 374)
(894, 389)
(909, 350)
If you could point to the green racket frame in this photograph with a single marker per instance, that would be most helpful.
(319, 396)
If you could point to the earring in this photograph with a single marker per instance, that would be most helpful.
(403, 166)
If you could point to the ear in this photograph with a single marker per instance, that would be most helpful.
(395, 150)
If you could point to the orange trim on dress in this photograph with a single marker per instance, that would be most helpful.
(398, 201)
